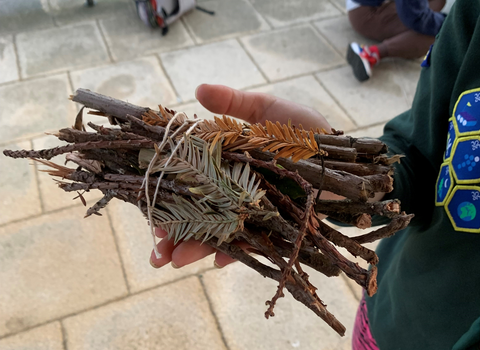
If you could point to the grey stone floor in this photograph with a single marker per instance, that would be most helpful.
(70, 283)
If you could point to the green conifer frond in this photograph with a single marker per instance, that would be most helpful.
(241, 181)
(224, 187)
(183, 220)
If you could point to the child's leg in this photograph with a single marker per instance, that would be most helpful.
(407, 45)
(410, 44)
(383, 24)
(377, 23)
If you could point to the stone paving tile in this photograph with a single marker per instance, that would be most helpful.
(127, 37)
(340, 4)
(409, 72)
(285, 53)
(173, 317)
(56, 265)
(71, 11)
(195, 108)
(135, 245)
(19, 196)
(340, 33)
(232, 18)
(141, 82)
(52, 196)
(35, 106)
(219, 63)
(238, 296)
(354, 287)
(48, 337)
(290, 12)
(59, 49)
(307, 91)
(23, 16)
(8, 60)
(378, 99)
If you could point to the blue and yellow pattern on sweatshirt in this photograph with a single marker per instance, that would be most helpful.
(458, 183)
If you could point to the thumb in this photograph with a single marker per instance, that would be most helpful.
(255, 107)
(222, 99)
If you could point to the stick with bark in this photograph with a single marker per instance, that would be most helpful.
(219, 181)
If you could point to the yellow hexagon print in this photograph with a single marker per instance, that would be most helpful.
(463, 208)
(466, 113)
(465, 159)
(444, 184)
(451, 137)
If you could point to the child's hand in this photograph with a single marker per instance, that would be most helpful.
(253, 108)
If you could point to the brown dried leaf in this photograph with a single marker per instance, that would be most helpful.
(287, 134)
(221, 124)
(313, 141)
(79, 120)
(286, 152)
(215, 140)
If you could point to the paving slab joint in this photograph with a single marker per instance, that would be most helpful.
(253, 60)
(210, 305)
(337, 102)
(105, 42)
(117, 248)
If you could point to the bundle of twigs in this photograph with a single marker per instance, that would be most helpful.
(220, 181)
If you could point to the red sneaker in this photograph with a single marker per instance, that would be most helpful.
(362, 59)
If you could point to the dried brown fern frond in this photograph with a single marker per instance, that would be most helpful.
(55, 169)
(163, 117)
(229, 130)
(286, 140)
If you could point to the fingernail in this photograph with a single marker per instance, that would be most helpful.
(216, 265)
(153, 264)
(196, 91)
(175, 266)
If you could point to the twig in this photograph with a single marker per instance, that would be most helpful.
(362, 145)
(364, 278)
(341, 183)
(50, 153)
(108, 105)
(308, 256)
(78, 136)
(348, 243)
(388, 208)
(398, 223)
(302, 295)
(102, 203)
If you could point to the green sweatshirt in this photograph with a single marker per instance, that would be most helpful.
(429, 275)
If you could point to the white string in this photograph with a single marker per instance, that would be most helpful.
(152, 162)
(146, 179)
(181, 141)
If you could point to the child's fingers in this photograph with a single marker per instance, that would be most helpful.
(222, 260)
(190, 251)
(185, 253)
(165, 248)
(160, 233)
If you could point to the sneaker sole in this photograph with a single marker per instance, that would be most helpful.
(360, 70)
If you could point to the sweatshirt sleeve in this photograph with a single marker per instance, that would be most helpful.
(417, 15)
